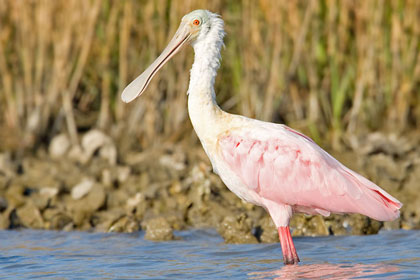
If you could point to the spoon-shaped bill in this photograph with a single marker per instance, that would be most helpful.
(139, 85)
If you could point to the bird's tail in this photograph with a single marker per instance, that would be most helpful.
(378, 204)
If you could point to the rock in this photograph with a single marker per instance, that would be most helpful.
(4, 221)
(378, 142)
(269, 233)
(103, 220)
(393, 225)
(4, 182)
(109, 153)
(117, 199)
(80, 217)
(13, 219)
(3, 204)
(77, 154)
(123, 172)
(176, 220)
(7, 220)
(95, 140)
(114, 176)
(304, 225)
(237, 230)
(30, 216)
(94, 200)
(410, 197)
(360, 224)
(59, 146)
(385, 171)
(48, 192)
(107, 178)
(82, 210)
(55, 219)
(6, 165)
(82, 189)
(40, 202)
(173, 163)
(134, 201)
(158, 229)
(337, 225)
(125, 224)
(14, 195)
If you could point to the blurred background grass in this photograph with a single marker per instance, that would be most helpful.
(327, 68)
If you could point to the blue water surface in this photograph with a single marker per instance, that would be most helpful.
(202, 254)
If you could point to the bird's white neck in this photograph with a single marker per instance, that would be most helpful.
(202, 106)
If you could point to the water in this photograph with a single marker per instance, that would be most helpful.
(200, 254)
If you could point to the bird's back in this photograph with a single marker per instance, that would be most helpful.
(287, 167)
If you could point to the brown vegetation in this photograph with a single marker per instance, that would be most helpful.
(326, 67)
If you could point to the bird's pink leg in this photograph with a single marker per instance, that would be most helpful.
(288, 248)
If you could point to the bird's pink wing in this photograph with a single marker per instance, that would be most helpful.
(287, 167)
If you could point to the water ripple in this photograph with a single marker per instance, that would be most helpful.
(30, 254)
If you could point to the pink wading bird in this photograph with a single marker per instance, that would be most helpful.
(264, 163)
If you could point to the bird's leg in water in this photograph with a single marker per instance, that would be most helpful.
(287, 247)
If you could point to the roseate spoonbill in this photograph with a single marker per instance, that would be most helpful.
(264, 163)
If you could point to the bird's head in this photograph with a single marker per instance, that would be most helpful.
(195, 27)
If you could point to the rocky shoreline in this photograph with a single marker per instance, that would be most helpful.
(95, 187)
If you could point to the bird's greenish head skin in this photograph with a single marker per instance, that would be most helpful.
(194, 26)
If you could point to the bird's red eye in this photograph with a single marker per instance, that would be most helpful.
(196, 22)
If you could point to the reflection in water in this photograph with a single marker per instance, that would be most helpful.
(325, 271)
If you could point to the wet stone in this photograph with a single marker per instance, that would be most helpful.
(269, 233)
(237, 230)
(55, 219)
(176, 220)
(125, 224)
(103, 220)
(82, 210)
(158, 229)
(30, 216)
(393, 225)
(359, 224)
(337, 225)
(4, 221)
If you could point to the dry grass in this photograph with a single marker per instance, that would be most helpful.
(325, 67)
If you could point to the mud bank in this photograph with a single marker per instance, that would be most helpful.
(95, 187)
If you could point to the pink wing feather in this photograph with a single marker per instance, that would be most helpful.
(287, 167)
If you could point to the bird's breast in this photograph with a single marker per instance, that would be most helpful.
(229, 177)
